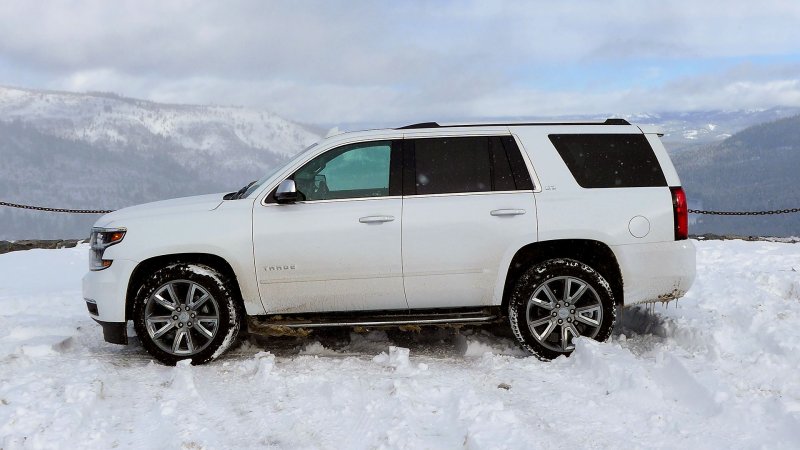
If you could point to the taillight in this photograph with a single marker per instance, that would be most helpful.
(680, 211)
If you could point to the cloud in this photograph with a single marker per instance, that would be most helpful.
(332, 62)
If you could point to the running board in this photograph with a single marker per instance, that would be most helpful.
(288, 325)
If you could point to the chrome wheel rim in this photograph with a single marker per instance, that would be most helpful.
(561, 309)
(181, 317)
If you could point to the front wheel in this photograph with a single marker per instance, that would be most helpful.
(186, 311)
(557, 301)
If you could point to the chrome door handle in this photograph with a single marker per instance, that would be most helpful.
(376, 219)
(507, 212)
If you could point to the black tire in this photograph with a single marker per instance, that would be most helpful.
(221, 303)
(591, 313)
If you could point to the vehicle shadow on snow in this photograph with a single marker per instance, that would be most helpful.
(638, 328)
(641, 326)
(641, 320)
(436, 342)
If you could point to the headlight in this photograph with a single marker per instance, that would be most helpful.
(100, 240)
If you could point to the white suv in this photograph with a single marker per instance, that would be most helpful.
(548, 227)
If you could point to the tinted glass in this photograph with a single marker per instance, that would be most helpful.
(609, 160)
(522, 178)
(450, 165)
(501, 168)
(352, 171)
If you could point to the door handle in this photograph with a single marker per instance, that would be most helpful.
(376, 219)
(507, 212)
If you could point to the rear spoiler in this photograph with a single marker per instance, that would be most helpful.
(652, 129)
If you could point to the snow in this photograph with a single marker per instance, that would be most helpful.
(718, 369)
(690, 134)
(107, 118)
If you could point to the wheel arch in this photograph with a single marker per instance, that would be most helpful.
(596, 254)
(150, 265)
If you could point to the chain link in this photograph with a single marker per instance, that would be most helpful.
(59, 210)
(745, 213)
(692, 211)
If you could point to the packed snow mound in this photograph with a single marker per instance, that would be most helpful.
(717, 369)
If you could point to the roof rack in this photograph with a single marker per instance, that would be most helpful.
(611, 121)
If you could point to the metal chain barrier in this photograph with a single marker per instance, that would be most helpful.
(59, 210)
(745, 213)
(691, 211)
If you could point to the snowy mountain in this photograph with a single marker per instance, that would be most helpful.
(692, 129)
(100, 150)
(683, 130)
(686, 130)
(237, 136)
(103, 151)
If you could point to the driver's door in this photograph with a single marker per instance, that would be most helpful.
(338, 248)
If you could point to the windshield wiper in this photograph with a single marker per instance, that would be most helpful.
(238, 194)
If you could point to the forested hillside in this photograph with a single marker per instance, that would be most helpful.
(755, 169)
(102, 151)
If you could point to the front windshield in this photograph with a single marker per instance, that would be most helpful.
(274, 171)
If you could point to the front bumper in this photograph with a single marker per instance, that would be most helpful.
(105, 292)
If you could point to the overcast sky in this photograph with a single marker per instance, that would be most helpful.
(380, 62)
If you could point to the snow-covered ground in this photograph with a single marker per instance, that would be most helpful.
(721, 369)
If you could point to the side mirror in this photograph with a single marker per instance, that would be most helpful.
(286, 192)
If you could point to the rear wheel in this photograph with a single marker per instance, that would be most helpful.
(186, 311)
(557, 301)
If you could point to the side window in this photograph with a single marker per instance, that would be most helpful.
(509, 169)
(503, 178)
(522, 178)
(450, 165)
(609, 160)
(352, 171)
(464, 164)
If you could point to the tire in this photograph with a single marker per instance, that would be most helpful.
(186, 311)
(556, 300)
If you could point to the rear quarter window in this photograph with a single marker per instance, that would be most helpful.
(609, 160)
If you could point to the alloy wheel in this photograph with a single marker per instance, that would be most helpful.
(182, 317)
(561, 309)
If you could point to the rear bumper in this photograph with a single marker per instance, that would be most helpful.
(114, 332)
(653, 272)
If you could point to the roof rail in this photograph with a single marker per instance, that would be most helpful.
(420, 125)
(610, 121)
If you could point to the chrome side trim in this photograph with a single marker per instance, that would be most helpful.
(447, 272)
(406, 197)
(337, 200)
(381, 323)
(318, 279)
(461, 194)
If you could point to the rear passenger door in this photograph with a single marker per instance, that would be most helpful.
(468, 202)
